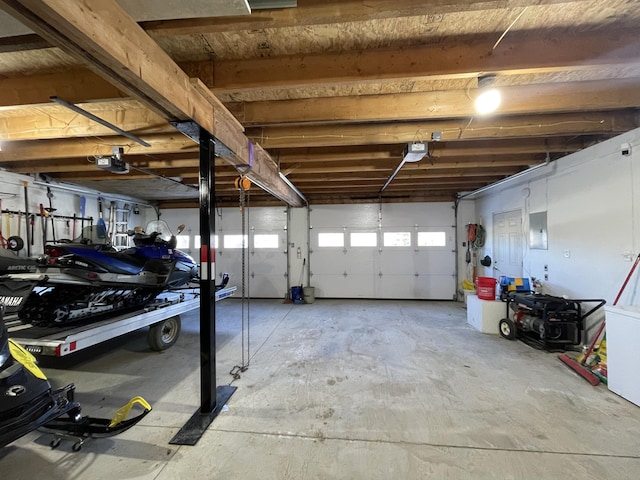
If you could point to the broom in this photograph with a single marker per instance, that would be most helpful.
(580, 367)
(287, 298)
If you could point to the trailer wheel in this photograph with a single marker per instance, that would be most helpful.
(163, 335)
(507, 328)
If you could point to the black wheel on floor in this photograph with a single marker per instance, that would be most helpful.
(163, 335)
(507, 328)
(55, 443)
(77, 447)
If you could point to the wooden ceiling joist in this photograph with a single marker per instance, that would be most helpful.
(564, 124)
(530, 99)
(457, 59)
(111, 44)
(316, 12)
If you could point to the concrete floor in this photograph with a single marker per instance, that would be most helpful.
(343, 390)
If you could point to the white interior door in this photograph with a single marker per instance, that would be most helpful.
(507, 244)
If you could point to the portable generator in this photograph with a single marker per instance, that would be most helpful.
(545, 321)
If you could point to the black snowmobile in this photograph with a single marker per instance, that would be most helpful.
(28, 402)
(84, 279)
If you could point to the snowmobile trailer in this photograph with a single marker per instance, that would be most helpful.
(162, 317)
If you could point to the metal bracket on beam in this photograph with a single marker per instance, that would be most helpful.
(191, 129)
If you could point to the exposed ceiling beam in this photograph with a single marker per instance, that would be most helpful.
(21, 43)
(51, 122)
(307, 12)
(530, 99)
(109, 41)
(549, 52)
(317, 12)
(19, 151)
(78, 85)
(461, 129)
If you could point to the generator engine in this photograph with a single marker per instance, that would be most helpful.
(544, 320)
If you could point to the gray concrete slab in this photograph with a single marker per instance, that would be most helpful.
(344, 389)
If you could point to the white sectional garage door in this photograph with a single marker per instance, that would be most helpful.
(388, 251)
(266, 258)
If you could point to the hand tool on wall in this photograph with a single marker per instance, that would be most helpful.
(43, 222)
(3, 241)
(50, 211)
(83, 205)
(27, 217)
(32, 223)
(304, 262)
(112, 221)
(15, 242)
(102, 227)
(7, 220)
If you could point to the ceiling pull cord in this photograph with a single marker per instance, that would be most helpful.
(243, 184)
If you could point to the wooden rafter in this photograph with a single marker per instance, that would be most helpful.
(114, 46)
(316, 12)
(458, 58)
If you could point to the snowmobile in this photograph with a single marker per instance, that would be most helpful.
(86, 278)
(28, 402)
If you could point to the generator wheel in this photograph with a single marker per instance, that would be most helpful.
(163, 335)
(507, 328)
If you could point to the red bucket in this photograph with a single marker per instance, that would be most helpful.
(486, 288)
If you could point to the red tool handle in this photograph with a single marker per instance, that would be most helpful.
(624, 285)
(615, 302)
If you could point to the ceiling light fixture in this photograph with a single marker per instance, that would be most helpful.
(413, 152)
(489, 98)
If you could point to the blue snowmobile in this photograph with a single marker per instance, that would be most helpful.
(86, 278)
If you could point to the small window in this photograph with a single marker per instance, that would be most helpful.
(331, 239)
(397, 239)
(266, 241)
(432, 239)
(182, 242)
(364, 239)
(235, 241)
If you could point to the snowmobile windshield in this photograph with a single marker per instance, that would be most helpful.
(161, 227)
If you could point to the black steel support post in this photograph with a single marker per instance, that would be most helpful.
(207, 277)
(212, 398)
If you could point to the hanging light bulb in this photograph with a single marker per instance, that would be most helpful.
(488, 101)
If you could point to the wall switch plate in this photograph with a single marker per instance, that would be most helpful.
(567, 253)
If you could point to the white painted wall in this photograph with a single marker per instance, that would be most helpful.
(66, 203)
(298, 251)
(592, 199)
